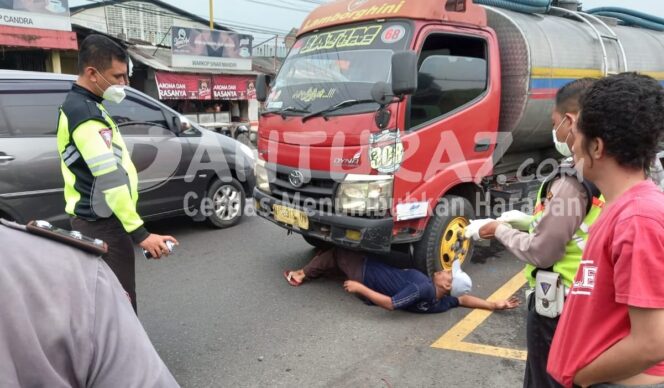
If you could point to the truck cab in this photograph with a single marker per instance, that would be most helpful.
(391, 124)
(346, 159)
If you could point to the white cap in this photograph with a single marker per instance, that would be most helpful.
(461, 283)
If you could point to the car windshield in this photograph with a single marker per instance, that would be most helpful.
(336, 65)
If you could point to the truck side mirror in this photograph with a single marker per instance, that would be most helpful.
(261, 87)
(404, 73)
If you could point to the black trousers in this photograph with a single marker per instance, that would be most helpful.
(120, 255)
(539, 334)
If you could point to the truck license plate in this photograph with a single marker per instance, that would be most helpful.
(290, 216)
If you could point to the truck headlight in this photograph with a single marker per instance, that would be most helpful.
(365, 193)
(262, 179)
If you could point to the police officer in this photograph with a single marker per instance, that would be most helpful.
(66, 321)
(101, 183)
(553, 238)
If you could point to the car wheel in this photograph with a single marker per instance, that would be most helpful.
(443, 241)
(227, 200)
(316, 242)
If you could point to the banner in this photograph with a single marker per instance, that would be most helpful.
(210, 49)
(175, 86)
(41, 14)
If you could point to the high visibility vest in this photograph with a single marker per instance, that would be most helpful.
(100, 178)
(569, 263)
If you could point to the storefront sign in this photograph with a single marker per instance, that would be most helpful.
(46, 14)
(176, 86)
(210, 49)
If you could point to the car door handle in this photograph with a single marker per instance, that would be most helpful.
(6, 158)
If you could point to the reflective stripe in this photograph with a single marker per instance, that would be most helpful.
(112, 180)
(580, 241)
(99, 159)
(584, 228)
(581, 244)
(73, 158)
(103, 166)
(68, 151)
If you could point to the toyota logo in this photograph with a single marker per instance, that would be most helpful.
(296, 178)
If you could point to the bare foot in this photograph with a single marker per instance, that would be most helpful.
(294, 278)
(298, 275)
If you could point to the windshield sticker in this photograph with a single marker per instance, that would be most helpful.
(314, 94)
(393, 34)
(351, 37)
(386, 151)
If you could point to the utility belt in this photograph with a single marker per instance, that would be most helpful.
(549, 293)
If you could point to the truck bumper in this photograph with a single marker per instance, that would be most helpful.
(375, 234)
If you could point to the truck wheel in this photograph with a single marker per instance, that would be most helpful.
(227, 200)
(318, 243)
(443, 240)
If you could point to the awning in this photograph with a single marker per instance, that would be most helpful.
(183, 86)
(37, 38)
(159, 58)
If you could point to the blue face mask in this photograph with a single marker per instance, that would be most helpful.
(561, 146)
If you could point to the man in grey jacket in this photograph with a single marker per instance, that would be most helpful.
(66, 321)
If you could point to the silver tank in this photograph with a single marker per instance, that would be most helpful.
(560, 46)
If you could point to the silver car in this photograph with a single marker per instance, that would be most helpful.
(183, 169)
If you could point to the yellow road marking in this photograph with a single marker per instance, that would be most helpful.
(453, 338)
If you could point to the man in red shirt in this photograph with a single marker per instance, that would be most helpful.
(611, 332)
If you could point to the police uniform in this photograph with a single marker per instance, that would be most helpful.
(565, 209)
(101, 183)
(66, 321)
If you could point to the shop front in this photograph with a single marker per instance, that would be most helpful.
(37, 36)
(221, 102)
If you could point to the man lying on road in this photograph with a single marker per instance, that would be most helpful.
(396, 289)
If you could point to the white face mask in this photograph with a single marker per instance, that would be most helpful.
(561, 146)
(114, 93)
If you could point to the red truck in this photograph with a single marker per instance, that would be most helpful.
(392, 123)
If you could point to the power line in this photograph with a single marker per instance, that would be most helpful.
(278, 6)
(157, 12)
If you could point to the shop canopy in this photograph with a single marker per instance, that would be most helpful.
(37, 38)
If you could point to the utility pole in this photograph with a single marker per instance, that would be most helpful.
(211, 14)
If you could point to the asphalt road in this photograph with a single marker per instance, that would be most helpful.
(221, 315)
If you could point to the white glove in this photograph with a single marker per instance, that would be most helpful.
(473, 229)
(517, 219)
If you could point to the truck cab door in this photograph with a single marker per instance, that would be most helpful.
(452, 117)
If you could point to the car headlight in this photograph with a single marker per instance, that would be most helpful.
(262, 179)
(365, 193)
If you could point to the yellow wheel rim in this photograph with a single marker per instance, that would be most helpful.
(453, 245)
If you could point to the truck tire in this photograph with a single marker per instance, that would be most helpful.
(443, 241)
(227, 199)
(318, 243)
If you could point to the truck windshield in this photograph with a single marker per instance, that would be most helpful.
(326, 68)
